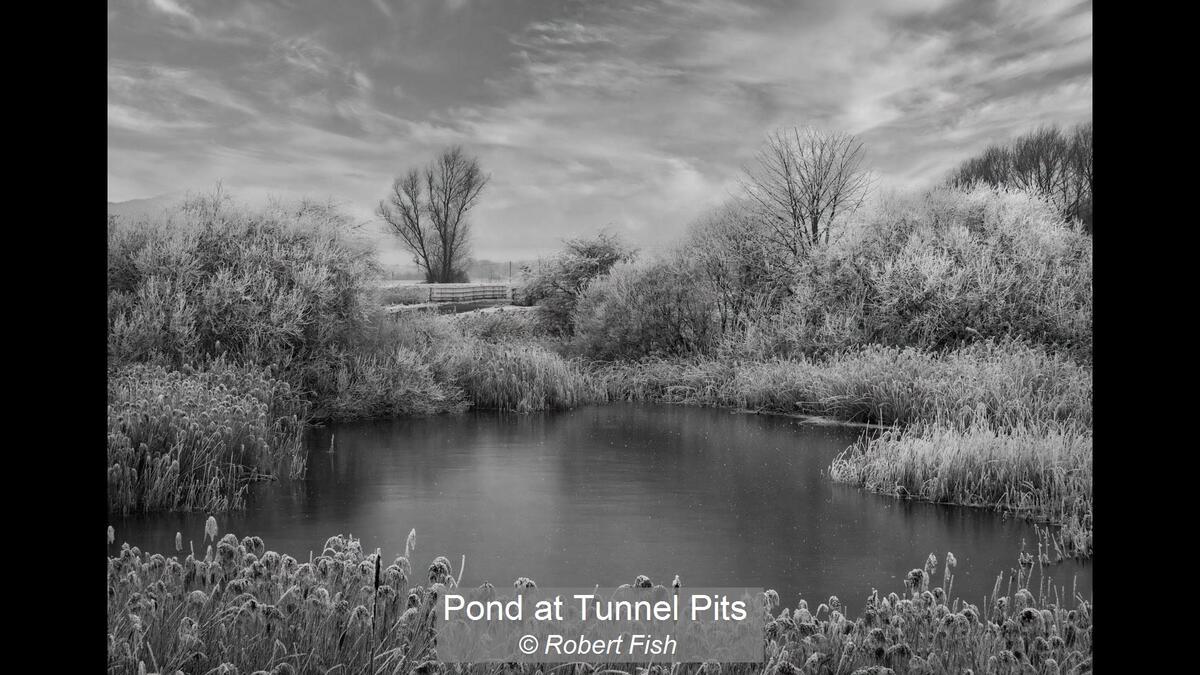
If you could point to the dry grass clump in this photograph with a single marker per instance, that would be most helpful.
(242, 608)
(1042, 474)
(1007, 384)
(395, 367)
(424, 364)
(384, 381)
(691, 382)
(507, 324)
(196, 440)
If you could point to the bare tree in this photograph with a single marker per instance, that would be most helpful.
(802, 180)
(428, 210)
(991, 167)
(1081, 170)
(1038, 163)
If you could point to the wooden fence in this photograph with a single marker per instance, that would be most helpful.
(458, 292)
(469, 292)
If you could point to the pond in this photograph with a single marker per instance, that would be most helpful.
(601, 494)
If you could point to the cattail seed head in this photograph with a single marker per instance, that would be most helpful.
(410, 544)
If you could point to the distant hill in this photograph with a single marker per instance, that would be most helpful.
(478, 270)
(495, 270)
(143, 208)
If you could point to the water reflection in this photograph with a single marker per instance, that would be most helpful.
(602, 494)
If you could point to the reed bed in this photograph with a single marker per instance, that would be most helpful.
(430, 364)
(383, 382)
(521, 378)
(242, 608)
(180, 440)
(1044, 474)
(926, 630)
(1008, 384)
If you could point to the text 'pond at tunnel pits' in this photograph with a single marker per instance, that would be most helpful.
(601, 494)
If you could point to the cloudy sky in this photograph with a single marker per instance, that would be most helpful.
(633, 116)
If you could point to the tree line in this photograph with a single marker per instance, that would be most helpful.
(800, 184)
(1049, 161)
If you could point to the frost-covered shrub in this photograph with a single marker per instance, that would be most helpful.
(649, 309)
(945, 268)
(279, 286)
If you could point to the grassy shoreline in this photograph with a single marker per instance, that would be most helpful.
(1006, 384)
(1043, 475)
(1004, 426)
(953, 413)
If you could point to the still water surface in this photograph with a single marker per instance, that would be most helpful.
(602, 494)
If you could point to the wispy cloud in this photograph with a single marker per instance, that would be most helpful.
(173, 8)
(383, 7)
(635, 116)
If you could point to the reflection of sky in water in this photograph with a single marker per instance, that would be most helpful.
(602, 494)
